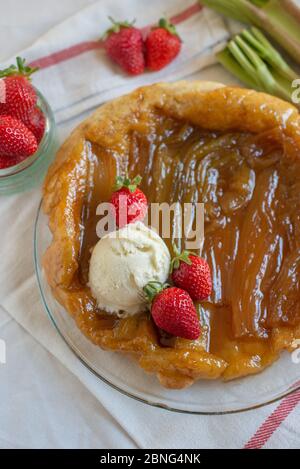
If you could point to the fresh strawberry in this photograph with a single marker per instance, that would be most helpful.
(124, 45)
(130, 203)
(19, 97)
(173, 310)
(36, 122)
(162, 45)
(192, 273)
(15, 139)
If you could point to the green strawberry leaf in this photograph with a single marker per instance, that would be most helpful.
(180, 257)
(152, 289)
(117, 26)
(168, 26)
(137, 180)
(126, 182)
(132, 188)
(20, 70)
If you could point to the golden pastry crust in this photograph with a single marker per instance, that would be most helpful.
(70, 179)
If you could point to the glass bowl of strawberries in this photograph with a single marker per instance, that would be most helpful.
(27, 130)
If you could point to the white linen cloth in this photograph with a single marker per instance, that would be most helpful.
(145, 427)
(85, 81)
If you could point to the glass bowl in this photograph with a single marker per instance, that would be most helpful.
(124, 375)
(31, 171)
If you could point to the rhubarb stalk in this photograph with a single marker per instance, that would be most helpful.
(280, 19)
(253, 60)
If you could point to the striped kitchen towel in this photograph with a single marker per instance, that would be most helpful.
(75, 75)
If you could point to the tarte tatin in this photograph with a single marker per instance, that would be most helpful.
(236, 150)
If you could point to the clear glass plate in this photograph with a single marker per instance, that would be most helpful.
(124, 375)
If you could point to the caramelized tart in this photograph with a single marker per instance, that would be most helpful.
(235, 150)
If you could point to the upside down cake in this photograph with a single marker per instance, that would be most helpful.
(235, 150)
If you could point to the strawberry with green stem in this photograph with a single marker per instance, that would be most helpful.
(124, 45)
(162, 46)
(130, 203)
(192, 273)
(20, 97)
(173, 310)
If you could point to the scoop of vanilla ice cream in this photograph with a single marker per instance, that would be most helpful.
(122, 263)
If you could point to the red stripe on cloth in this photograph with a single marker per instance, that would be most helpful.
(274, 421)
(66, 54)
(179, 18)
(81, 48)
(186, 14)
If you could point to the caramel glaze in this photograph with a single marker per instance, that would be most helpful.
(252, 235)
